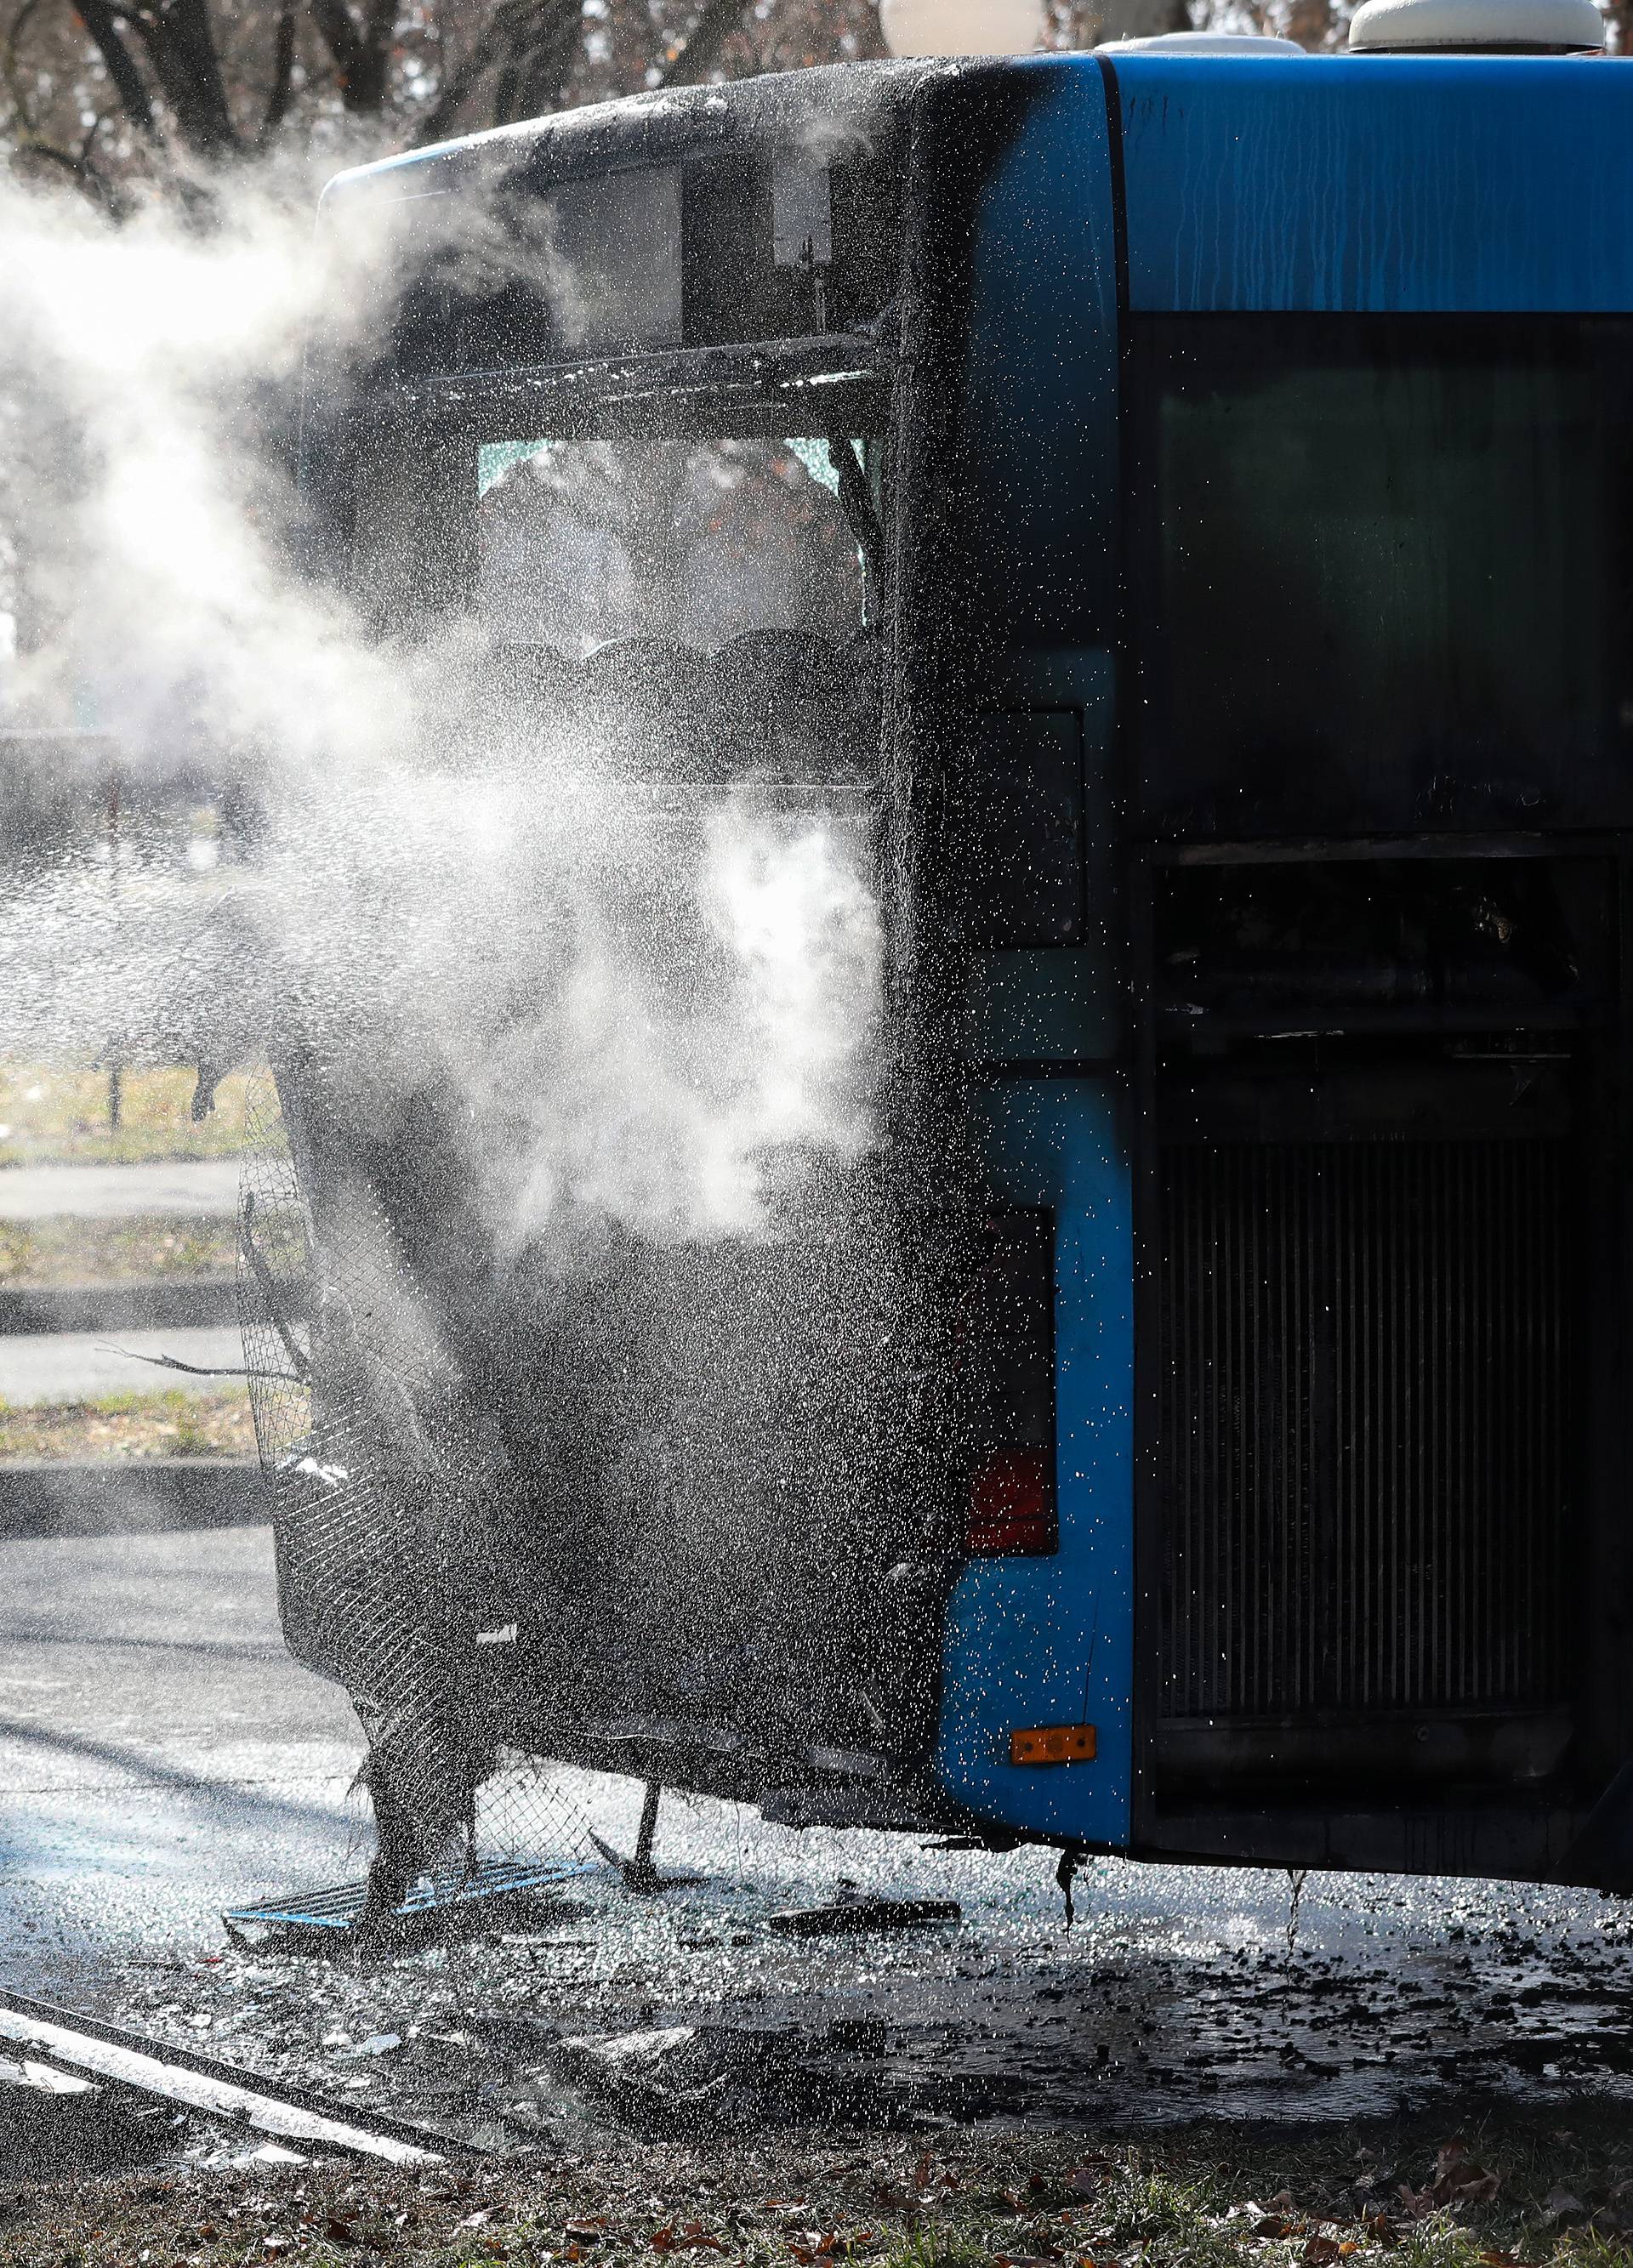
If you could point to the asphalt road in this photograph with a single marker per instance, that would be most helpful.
(159, 1752)
(78, 1365)
(207, 1188)
(161, 1757)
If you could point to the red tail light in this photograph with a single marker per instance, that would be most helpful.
(1012, 1512)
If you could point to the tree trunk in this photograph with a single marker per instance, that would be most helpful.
(533, 76)
(718, 20)
(123, 69)
(360, 49)
(180, 42)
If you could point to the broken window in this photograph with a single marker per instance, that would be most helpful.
(581, 543)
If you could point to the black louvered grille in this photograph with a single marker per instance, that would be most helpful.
(1365, 1427)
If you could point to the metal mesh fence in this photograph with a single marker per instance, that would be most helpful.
(380, 1527)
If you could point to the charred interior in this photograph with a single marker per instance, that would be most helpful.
(639, 459)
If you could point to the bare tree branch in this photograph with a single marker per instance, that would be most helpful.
(128, 83)
(483, 54)
(180, 42)
(14, 77)
(361, 51)
(542, 43)
(86, 173)
(716, 22)
(340, 35)
(379, 24)
(195, 82)
(283, 75)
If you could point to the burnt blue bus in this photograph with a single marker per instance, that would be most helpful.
(1174, 507)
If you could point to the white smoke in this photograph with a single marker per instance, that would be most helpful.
(165, 542)
(652, 1019)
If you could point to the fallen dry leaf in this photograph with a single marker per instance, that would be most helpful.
(1458, 2180)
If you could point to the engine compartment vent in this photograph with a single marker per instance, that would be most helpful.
(1364, 1454)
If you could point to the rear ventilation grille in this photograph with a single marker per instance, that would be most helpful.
(1364, 1460)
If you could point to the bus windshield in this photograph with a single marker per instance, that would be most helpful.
(582, 543)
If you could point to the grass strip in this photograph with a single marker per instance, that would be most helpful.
(1501, 2190)
(130, 1426)
(50, 1116)
(50, 1254)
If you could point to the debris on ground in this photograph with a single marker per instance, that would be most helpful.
(860, 1916)
(701, 2079)
(915, 2028)
(497, 1893)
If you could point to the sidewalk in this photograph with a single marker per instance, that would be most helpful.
(80, 1365)
(60, 1344)
(203, 1187)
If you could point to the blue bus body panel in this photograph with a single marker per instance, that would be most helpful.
(1050, 1641)
(1032, 1642)
(1344, 185)
(1379, 185)
(1040, 414)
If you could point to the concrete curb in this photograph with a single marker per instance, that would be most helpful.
(144, 1496)
(187, 1303)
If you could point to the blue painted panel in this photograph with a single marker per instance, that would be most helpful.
(1381, 184)
(1050, 1641)
(1040, 437)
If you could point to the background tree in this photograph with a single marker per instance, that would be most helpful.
(108, 89)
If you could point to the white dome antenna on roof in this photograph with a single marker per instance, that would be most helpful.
(962, 27)
(1478, 26)
(1202, 43)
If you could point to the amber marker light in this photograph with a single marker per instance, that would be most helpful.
(1053, 1744)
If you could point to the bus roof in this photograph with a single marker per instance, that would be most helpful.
(840, 103)
(1249, 181)
(1377, 184)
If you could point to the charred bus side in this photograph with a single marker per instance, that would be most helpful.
(1209, 599)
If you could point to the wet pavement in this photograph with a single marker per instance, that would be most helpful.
(159, 1750)
(162, 1759)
